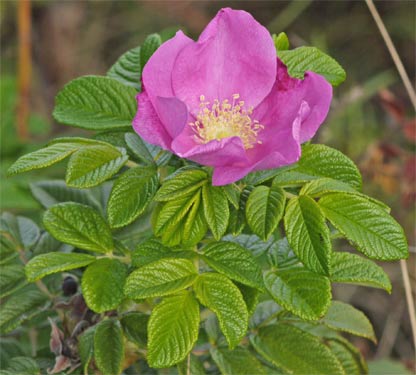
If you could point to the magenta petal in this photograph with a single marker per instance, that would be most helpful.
(147, 124)
(234, 55)
(157, 72)
(173, 114)
(318, 95)
(226, 151)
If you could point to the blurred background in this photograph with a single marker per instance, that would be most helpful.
(371, 119)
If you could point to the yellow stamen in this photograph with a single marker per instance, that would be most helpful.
(225, 119)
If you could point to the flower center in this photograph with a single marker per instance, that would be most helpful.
(225, 119)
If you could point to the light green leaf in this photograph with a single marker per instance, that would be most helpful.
(52, 192)
(295, 351)
(149, 47)
(281, 42)
(150, 251)
(302, 292)
(103, 283)
(344, 317)
(109, 347)
(20, 307)
(235, 262)
(42, 158)
(181, 183)
(264, 209)
(319, 161)
(12, 278)
(127, 69)
(135, 327)
(232, 192)
(131, 194)
(22, 365)
(351, 268)
(371, 229)
(303, 59)
(46, 264)
(220, 295)
(348, 356)
(80, 226)
(238, 361)
(95, 103)
(90, 166)
(308, 234)
(216, 209)
(160, 278)
(173, 330)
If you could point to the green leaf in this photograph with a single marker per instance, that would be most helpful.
(232, 192)
(216, 209)
(319, 161)
(195, 366)
(220, 295)
(109, 347)
(160, 278)
(348, 356)
(281, 42)
(181, 183)
(150, 251)
(173, 330)
(250, 296)
(86, 347)
(300, 291)
(265, 310)
(149, 154)
(127, 69)
(46, 264)
(235, 262)
(371, 229)
(264, 209)
(95, 103)
(17, 232)
(195, 226)
(322, 186)
(344, 317)
(131, 194)
(12, 278)
(351, 268)
(80, 226)
(20, 307)
(238, 361)
(238, 216)
(135, 327)
(308, 234)
(102, 284)
(48, 244)
(42, 158)
(149, 47)
(22, 365)
(303, 59)
(295, 351)
(90, 166)
(52, 192)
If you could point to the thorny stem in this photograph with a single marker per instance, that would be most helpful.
(393, 52)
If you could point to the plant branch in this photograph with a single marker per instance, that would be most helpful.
(409, 298)
(393, 52)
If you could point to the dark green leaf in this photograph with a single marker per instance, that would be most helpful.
(46, 264)
(135, 327)
(80, 226)
(127, 69)
(216, 209)
(95, 103)
(86, 347)
(109, 347)
(238, 361)
(371, 229)
(12, 278)
(149, 47)
(103, 283)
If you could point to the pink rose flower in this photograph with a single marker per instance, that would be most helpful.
(226, 101)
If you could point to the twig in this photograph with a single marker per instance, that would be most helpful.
(188, 365)
(25, 67)
(393, 52)
(409, 298)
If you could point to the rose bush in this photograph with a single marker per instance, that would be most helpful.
(226, 101)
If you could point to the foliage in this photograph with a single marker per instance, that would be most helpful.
(211, 255)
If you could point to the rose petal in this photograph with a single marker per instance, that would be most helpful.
(234, 55)
(157, 73)
(172, 114)
(147, 124)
